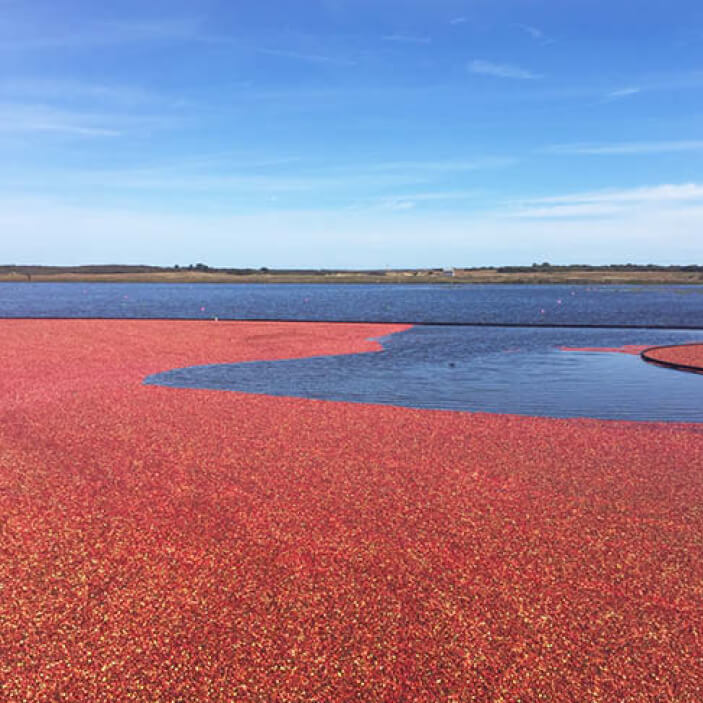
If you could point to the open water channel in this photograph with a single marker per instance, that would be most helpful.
(487, 348)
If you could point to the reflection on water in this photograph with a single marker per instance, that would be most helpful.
(518, 371)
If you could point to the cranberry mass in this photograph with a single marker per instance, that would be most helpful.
(190, 545)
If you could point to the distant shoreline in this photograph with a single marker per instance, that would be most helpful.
(634, 275)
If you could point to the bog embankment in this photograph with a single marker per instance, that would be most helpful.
(575, 275)
(682, 357)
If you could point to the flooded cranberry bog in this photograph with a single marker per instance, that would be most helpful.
(179, 544)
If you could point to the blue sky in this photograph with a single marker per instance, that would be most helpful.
(351, 133)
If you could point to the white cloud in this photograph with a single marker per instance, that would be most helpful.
(32, 118)
(161, 29)
(579, 210)
(245, 183)
(88, 35)
(23, 118)
(501, 70)
(664, 192)
(685, 191)
(255, 178)
(626, 148)
(534, 32)
(300, 56)
(486, 162)
(438, 195)
(45, 231)
(623, 93)
(458, 20)
(406, 201)
(64, 89)
(406, 39)
(670, 198)
(92, 34)
(251, 182)
(400, 204)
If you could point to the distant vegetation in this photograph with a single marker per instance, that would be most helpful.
(546, 266)
(202, 273)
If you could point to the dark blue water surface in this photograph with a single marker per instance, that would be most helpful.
(517, 369)
(669, 306)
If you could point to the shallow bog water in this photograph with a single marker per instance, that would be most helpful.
(490, 369)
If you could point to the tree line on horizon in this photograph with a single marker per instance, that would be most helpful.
(204, 268)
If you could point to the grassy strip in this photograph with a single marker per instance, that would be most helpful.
(551, 275)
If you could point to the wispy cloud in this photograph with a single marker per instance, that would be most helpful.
(67, 89)
(308, 52)
(86, 35)
(486, 162)
(20, 118)
(301, 56)
(501, 70)
(238, 180)
(579, 210)
(168, 29)
(660, 193)
(610, 202)
(32, 118)
(363, 238)
(458, 20)
(59, 127)
(623, 93)
(407, 39)
(407, 201)
(534, 32)
(659, 83)
(253, 183)
(627, 148)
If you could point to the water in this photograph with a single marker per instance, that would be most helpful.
(668, 306)
(517, 370)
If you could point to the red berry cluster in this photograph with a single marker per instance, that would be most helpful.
(689, 356)
(174, 545)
